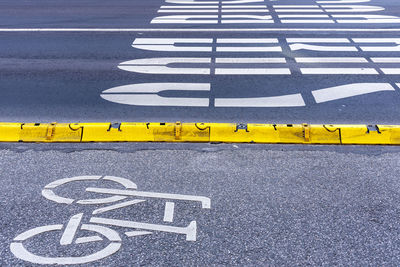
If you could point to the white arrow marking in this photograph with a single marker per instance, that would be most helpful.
(349, 90)
(169, 44)
(159, 65)
(146, 94)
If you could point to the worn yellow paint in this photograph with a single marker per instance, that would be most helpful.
(201, 132)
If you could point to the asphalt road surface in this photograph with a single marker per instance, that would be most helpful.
(301, 206)
(237, 61)
(282, 61)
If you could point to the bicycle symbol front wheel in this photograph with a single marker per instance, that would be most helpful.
(19, 250)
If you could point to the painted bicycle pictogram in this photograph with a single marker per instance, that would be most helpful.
(100, 226)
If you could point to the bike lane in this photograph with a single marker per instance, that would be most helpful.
(291, 207)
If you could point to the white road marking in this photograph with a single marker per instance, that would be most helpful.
(342, 1)
(307, 21)
(159, 65)
(349, 90)
(336, 71)
(169, 211)
(88, 239)
(244, 60)
(249, 49)
(299, 10)
(247, 40)
(70, 230)
(38, 230)
(22, 253)
(48, 193)
(191, 2)
(59, 182)
(188, 11)
(331, 60)
(212, 10)
(252, 71)
(295, 47)
(385, 59)
(189, 231)
(188, 6)
(205, 201)
(128, 184)
(137, 233)
(365, 18)
(96, 201)
(391, 71)
(395, 41)
(294, 100)
(195, 19)
(142, 94)
(199, 30)
(351, 8)
(296, 6)
(246, 19)
(302, 16)
(118, 206)
(169, 44)
(317, 40)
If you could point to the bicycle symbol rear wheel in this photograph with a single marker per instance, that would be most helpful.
(19, 250)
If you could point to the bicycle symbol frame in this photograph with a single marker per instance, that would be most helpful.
(99, 225)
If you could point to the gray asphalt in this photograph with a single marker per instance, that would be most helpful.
(270, 205)
(59, 76)
(274, 205)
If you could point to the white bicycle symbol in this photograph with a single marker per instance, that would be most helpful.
(70, 233)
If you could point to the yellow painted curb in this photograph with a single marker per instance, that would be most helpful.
(201, 132)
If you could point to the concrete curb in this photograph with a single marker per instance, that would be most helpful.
(201, 132)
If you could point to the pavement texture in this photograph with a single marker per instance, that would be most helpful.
(61, 76)
(270, 205)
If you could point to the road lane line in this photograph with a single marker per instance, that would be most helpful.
(146, 94)
(331, 60)
(294, 100)
(391, 71)
(198, 30)
(336, 71)
(244, 60)
(295, 47)
(252, 71)
(349, 90)
(385, 59)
